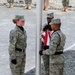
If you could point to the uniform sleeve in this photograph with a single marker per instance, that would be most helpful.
(12, 40)
(53, 45)
(26, 40)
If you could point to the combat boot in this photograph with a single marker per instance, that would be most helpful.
(8, 5)
(63, 9)
(29, 6)
(66, 9)
(11, 5)
(26, 6)
(45, 9)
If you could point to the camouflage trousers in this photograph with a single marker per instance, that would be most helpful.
(65, 3)
(19, 68)
(56, 65)
(10, 1)
(56, 69)
(28, 1)
(46, 62)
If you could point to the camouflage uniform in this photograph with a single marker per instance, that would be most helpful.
(17, 50)
(56, 58)
(65, 4)
(28, 4)
(46, 63)
(10, 3)
(46, 57)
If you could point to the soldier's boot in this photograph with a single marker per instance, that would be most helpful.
(66, 9)
(26, 6)
(29, 6)
(63, 10)
(8, 5)
(45, 9)
(11, 5)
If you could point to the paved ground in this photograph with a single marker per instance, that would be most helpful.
(69, 65)
(6, 16)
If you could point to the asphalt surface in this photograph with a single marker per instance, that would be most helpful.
(68, 27)
(69, 65)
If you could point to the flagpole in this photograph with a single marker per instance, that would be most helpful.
(38, 42)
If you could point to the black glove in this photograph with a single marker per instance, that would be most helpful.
(40, 52)
(14, 61)
(47, 27)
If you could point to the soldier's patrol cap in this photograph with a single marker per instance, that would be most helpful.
(50, 15)
(19, 17)
(55, 21)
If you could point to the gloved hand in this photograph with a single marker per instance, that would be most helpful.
(40, 52)
(14, 61)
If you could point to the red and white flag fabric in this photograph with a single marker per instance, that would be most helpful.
(46, 36)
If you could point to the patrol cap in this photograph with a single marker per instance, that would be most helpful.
(19, 17)
(50, 15)
(55, 21)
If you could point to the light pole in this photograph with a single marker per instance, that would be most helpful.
(38, 42)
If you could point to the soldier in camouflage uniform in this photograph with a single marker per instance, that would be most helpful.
(65, 4)
(55, 51)
(46, 30)
(28, 4)
(10, 3)
(17, 47)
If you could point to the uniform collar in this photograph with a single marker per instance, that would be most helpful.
(56, 30)
(17, 28)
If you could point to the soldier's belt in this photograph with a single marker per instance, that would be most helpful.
(18, 49)
(58, 53)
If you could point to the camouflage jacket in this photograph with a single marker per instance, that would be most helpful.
(17, 41)
(56, 45)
